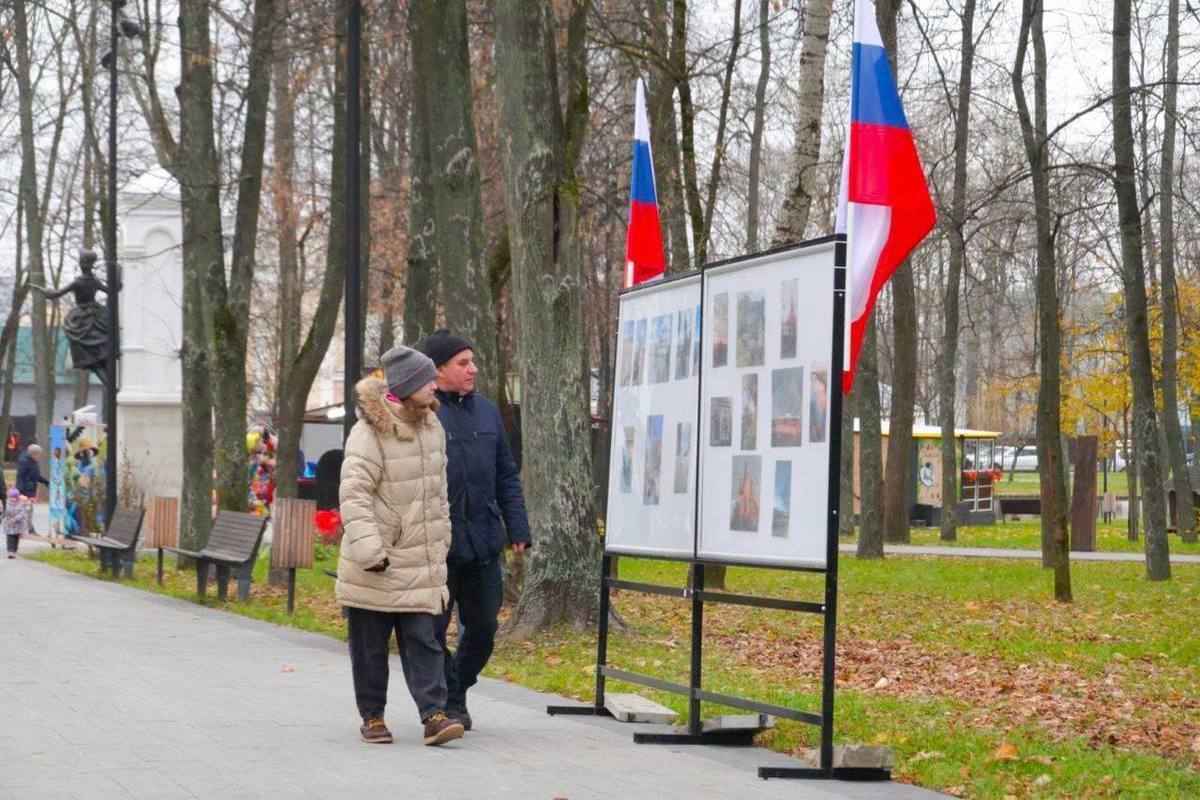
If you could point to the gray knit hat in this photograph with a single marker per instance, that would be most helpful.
(406, 370)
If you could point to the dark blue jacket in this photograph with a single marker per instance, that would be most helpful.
(29, 475)
(483, 481)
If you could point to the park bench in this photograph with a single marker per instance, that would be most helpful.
(118, 544)
(1024, 505)
(233, 544)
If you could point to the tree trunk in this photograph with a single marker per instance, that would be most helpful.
(1133, 279)
(452, 229)
(870, 446)
(542, 207)
(846, 475)
(897, 475)
(954, 269)
(756, 132)
(296, 377)
(810, 99)
(422, 278)
(43, 355)
(660, 103)
(1134, 520)
(714, 175)
(1055, 535)
(200, 202)
(1170, 296)
(228, 299)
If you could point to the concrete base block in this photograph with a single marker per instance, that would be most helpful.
(729, 723)
(854, 756)
(635, 708)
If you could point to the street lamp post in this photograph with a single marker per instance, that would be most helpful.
(130, 29)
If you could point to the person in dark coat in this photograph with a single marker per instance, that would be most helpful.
(487, 512)
(29, 474)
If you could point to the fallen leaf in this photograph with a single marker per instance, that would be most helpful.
(1006, 752)
(553, 661)
(956, 791)
(289, 669)
(881, 683)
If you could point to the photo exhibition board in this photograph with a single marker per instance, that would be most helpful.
(652, 468)
(764, 421)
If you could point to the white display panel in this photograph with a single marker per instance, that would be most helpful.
(764, 420)
(652, 469)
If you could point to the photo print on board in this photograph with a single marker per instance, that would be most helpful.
(818, 404)
(696, 343)
(749, 411)
(781, 513)
(660, 350)
(683, 456)
(627, 460)
(654, 447)
(747, 489)
(721, 427)
(683, 343)
(639, 352)
(625, 372)
(751, 328)
(787, 404)
(720, 329)
(789, 302)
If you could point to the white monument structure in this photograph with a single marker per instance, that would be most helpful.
(149, 400)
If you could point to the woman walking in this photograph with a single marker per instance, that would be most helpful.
(392, 567)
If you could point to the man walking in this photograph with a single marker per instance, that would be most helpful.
(484, 489)
(29, 475)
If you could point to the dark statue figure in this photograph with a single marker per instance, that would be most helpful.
(86, 325)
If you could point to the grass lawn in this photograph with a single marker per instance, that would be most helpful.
(983, 685)
(1027, 483)
(1027, 535)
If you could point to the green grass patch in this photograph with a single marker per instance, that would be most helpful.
(947, 660)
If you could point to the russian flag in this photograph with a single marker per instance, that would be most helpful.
(884, 206)
(643, 239)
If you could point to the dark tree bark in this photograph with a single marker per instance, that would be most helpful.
(1055, 535)
(756, 132)
(806, 151)
(898, 474)
(196, 168)
(846, 475)
(542, 208)
(1170, 294)
(451, 235)
(870, 447)
(1133, 279)
(664, 139)
(954, 269)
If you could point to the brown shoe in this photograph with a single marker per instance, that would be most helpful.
(440, 729)
(375, 732)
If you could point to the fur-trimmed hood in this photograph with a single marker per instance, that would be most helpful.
(388, 418)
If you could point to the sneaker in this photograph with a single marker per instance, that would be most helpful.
(460, 715)
(375, 732)
(440, 729)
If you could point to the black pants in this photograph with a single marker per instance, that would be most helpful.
(13, 541)
(477, 589)
(420, 657)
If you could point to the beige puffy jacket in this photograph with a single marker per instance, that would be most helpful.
(393, 504)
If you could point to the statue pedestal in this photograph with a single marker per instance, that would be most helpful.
(149, 400)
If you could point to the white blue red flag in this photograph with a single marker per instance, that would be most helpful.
(884, 207)
(643, 239)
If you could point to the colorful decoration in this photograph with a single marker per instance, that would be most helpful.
(77, 479)
(261, 444)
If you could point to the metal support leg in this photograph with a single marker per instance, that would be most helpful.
(245, 575)
(160, 566)
(222, 582)
(201, 577)
(291, 605)
(126, 563)
(597, 708)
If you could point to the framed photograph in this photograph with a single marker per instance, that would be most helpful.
(683, 344)
(781, 512)
(749, 411)
(746, 493)
(639, 353)
(818, 405)
(722, 422)
(660, 350)
(787, 405)
(789, 304)
(625, 362)
(751, 328)
(627, 453)
(683, 456)
(720, 335)
(654, 448)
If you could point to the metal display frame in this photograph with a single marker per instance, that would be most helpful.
(699, 596)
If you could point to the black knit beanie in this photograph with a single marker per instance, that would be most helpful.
(443, 346)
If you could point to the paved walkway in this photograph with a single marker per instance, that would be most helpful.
(203, 703)
(1001, 552)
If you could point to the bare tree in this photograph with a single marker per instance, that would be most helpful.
(870, 446)
(542, 210)
(756, 135)
(1133, 278)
